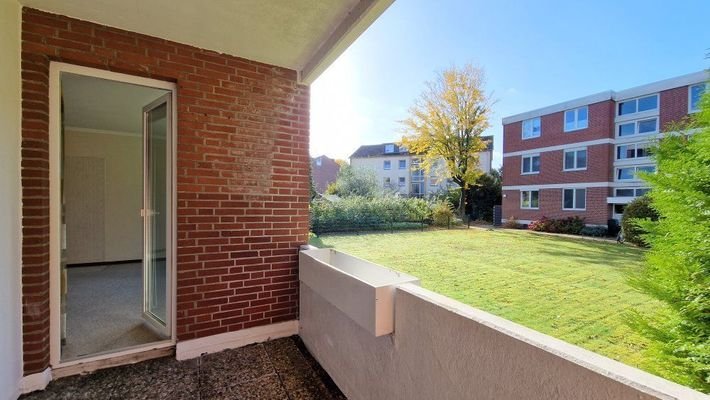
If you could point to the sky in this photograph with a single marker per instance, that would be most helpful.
(534, 54)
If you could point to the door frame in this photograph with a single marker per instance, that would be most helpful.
(55, 227)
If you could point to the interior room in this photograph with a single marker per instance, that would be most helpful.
(114, 217)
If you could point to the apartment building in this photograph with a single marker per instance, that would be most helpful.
(400, 171)
(582, 157)
(324, 171)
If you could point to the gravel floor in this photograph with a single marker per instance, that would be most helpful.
(279, 369)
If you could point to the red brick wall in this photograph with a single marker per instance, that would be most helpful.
(674, 105)
(601, 119)
(599, 160)
(242, 175)
(597, 210)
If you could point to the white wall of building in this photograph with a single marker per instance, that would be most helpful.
(10, 244)
(376, 164)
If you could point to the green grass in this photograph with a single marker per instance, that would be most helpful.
(572, 289)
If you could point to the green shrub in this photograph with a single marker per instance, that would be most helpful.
(639, 209)
(569, 225)
(596, 231)
(677, 270)
(442, 213)
(361, 213)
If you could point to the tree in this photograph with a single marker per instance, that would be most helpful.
(677, 269)
(638, 209)
(354, 182)
(446, 123)
(485, 193)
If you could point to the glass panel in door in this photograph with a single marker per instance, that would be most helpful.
(157, 121)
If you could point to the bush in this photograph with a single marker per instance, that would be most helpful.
(569, 225)
(639, 209)
(596, 231)
(361, 213)
(512, 223)
(355, 182)
(442, 213)
(677, 270)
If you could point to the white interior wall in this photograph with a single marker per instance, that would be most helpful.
(10, 242)
(121, 236)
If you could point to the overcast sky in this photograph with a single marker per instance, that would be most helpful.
(534, 54)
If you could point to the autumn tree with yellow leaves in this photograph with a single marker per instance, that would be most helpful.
(445, 125)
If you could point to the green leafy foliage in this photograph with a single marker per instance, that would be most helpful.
(677, 270)
(569, 225)
(356, 213)
(485, 193)
(442, 213)
(638, 210)
(595, 231)
(355, 182)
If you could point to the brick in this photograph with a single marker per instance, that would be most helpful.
(238, 121)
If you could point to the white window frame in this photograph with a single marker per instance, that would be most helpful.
(387, 165)
(636, 100)
(574, 199)
(400, 164)
(575, 151)
(692, 110)
(576, 119)
(522, 163)
(529, 192)
(532, 130)
(636, 127)
(389, 148)
(402, 181)
(386, 181)
(636, 146)
(636, 170)
(633, 189)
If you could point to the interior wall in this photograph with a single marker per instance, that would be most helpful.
(103, 222)
(10, 233)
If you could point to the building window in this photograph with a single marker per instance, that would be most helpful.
(630, 192)
(641, 127)
(319, 162)
(386, 181)
(530, 199)
(402, 181)
(630, 173)
(574, 199)
(695, 93)
(387, 164)
(575, 160)
(576, 119)
(530, 164)
(433, 181)
(532, 128)
(389, 148)
(641, 104)
(402, 164)
(633, 150)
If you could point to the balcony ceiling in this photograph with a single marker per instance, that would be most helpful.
(303, 35)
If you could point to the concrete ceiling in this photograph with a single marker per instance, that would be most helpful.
(102, 105)
(304, 35)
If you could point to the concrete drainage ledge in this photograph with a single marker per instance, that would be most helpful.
(440, 348)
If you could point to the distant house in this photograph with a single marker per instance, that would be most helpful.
(324, 171)
(399, 170)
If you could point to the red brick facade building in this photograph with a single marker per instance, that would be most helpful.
(581, 157)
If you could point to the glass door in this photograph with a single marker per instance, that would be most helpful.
(157, 121)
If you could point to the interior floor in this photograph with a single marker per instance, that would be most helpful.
(104, 310)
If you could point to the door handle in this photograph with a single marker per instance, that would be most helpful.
(148, 212)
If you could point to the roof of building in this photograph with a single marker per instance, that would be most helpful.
(378, 150)
(649, 88)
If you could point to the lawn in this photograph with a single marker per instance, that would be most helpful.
(572, 289)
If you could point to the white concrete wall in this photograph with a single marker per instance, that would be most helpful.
(10, 244)
(442, 349)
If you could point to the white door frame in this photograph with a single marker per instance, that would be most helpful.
(55, 70)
